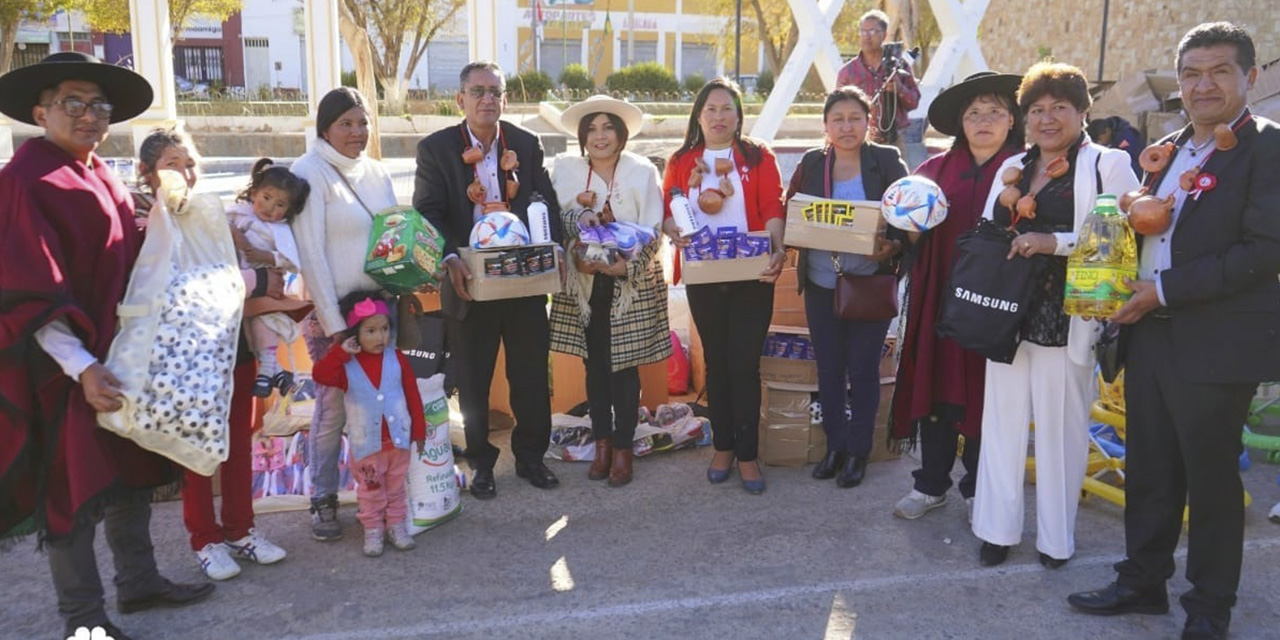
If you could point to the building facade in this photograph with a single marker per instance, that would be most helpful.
(1140, 35)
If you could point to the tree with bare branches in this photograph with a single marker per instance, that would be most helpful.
(391, 24)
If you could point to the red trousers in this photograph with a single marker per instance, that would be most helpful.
(237, 474)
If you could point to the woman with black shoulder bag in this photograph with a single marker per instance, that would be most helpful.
(849, 299)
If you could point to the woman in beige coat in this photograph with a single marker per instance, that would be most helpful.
(612, 313)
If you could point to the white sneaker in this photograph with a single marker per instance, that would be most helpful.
(969, 501)
(216, 562)
(256, 548)
(916, 504)
(1275, 513)
(373, 542)
(398, 536)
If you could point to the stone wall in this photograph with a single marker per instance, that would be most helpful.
(1141, 34)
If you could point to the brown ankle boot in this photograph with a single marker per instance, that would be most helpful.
(621, 472)
(600, 466)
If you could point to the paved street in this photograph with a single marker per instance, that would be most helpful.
(667, 557)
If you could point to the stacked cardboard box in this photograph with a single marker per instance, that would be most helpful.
(789, 437)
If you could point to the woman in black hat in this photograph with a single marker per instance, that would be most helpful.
(938, 396)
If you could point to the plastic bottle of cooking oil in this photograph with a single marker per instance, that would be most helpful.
(1105, 255)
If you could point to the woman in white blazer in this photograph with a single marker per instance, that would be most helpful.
(1051, 379)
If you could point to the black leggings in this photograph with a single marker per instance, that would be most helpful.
(732, 320)
(613, 397)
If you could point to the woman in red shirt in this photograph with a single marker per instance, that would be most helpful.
(732, 317)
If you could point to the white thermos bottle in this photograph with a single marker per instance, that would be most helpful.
(682, 212)
(539, 221)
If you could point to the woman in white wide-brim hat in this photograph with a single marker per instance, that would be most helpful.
(612, 314)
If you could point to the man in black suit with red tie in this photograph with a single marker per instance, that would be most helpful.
(440, 194)
(1201, 331)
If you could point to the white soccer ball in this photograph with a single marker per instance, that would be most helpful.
(183, 398)
(192, 420)
(499, 229)
(914, 203)
(163, 384)
(175, 366)
(205, 401)
(164, 411)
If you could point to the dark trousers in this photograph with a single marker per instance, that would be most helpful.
(520, 325)
(613, 397)
(848, 359)
(237, 474)
(732, 321)
(74, 566)
(1182, 447)
(938, 443)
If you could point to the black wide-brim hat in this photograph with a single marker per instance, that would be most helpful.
(20, 89)
(944, 111)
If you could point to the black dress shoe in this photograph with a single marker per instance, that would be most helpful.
(1116, 599)
(827, 467)
(537, 474)
(1051, 562)
(1205, 627)
(852, 472)
(171, 594)
(483, 486)
(991, 555)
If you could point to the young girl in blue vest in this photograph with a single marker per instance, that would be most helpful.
(384, 417)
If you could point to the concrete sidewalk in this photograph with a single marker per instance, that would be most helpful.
(667, 557)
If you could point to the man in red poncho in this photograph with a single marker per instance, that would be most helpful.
(69, 244)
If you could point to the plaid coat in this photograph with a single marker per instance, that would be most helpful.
(638, 320)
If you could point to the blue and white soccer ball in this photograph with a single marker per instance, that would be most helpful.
(499, 229)
(914, 203)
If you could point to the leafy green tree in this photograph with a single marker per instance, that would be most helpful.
(112, 16)
(12, 13)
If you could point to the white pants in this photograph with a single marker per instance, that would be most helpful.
(1042, 385)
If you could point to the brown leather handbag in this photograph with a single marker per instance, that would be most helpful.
(865, 298)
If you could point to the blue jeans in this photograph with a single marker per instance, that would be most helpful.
(324, 440)
(848, 357)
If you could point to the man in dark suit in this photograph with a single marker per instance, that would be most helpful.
(476, 328)
(1201, 331)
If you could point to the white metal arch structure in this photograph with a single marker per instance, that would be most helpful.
(152, 38)
(323, 63)
(959, 53)
(817, 46)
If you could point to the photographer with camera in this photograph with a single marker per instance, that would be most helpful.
(882, 72)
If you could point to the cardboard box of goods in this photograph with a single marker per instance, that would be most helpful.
(724, 269)
(788, 304)
(510, 272)
(833, 225)
(788, 436)
(404, 250)
(784, 368)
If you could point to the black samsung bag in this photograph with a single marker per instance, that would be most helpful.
(989, 295)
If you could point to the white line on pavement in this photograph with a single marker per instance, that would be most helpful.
(740, 598)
